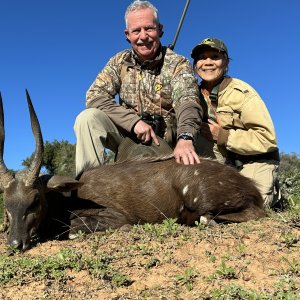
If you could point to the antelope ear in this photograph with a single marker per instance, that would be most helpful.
(62, 183)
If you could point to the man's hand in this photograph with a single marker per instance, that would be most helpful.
(210, 130)
(144, 132)
(185, 153)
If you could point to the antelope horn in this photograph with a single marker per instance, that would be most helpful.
(35, 166)
(5, 175)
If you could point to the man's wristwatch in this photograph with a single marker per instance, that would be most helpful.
(185, 136)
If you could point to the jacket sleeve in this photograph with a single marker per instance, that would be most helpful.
(255, 134)
(185, 95)
(102, 94)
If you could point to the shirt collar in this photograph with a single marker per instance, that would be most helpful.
(153, 65)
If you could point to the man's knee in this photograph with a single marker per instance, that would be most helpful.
(86, 116)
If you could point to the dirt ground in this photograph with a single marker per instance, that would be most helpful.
(170, 262)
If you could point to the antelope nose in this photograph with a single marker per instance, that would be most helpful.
(16, 244)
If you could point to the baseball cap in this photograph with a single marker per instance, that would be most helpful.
(209, 42)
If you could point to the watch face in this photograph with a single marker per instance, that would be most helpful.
(186, 137)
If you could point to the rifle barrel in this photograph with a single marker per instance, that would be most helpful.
(172, 46)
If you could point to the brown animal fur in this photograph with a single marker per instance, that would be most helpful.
(111, 196)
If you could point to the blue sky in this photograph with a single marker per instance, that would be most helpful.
(56, 48)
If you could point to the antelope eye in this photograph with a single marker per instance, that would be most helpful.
(34, 205)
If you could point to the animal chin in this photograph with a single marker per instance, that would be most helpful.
(32, 236)
(25, 246)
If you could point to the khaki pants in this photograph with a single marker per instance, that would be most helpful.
(264, 173)
(94, 132)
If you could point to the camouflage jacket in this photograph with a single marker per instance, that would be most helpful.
(247, 127)
(165, 85)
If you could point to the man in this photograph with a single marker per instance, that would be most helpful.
(152, 82)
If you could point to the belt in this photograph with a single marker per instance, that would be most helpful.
(238, 159)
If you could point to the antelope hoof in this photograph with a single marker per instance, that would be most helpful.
(208, 221)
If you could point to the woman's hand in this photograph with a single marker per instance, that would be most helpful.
(210, 130)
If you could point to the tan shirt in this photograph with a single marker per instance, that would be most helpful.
(247, 124)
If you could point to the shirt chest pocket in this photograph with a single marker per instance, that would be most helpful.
(229, 118)
(163, 87)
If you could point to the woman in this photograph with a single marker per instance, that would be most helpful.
(237, 127)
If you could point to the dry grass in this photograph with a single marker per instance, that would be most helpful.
(253, 260)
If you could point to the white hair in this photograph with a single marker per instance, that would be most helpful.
(138, 5)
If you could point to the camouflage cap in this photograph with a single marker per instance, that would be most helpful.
(209, 42)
